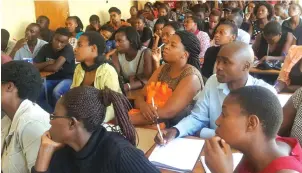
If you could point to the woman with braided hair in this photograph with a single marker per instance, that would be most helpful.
(182, 74)
(77, 142)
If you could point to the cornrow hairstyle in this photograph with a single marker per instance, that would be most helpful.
(259, 101)
(272, 28)
(269, 8)
(94, 18)
(175, 25)
(80, 26)
(114, 9)
(95, 38)
(200, 25)
(192, 45)
(132, 35)
(25, 77)
(63, 31)
(89, 105)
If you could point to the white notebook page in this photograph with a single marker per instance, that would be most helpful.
(180, 153)
(236, 159)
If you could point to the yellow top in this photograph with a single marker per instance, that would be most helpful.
(105, 75)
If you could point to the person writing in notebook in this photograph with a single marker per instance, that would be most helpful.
(233, 63)
(257, 124)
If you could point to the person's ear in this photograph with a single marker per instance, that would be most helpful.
(233, 37)
(94, 48)
(247, 66)
(186, 54)
(73, 123)
(253, 123)
(9, 87)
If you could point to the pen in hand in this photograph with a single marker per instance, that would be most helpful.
(157, 124)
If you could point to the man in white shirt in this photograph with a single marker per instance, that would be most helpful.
(24, 121)
(233, 63)
(237, 19)
(28, 47)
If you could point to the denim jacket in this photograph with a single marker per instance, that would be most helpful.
(21, 137)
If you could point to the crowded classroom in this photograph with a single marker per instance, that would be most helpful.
(152, 86)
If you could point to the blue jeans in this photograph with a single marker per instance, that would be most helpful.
(55, 89)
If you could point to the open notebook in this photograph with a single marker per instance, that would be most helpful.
(178, 155)
(236, 159)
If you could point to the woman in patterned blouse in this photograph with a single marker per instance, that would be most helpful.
(292, 117)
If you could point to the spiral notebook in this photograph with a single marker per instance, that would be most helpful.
(179, 155)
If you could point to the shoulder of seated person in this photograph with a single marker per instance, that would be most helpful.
(212, 81)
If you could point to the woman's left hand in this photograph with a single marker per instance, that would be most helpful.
(218, 155)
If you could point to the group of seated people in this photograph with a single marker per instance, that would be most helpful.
(202, 52)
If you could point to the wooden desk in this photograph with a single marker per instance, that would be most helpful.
(131, 95)
(45, 73)
(266, 72)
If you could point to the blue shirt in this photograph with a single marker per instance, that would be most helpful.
(24, 51)
(209, 106)
(110, 44)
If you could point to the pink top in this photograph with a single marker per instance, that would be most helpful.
(204, 40)
(5, 58)
(292, 162)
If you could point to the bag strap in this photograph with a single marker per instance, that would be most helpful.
(139, 61)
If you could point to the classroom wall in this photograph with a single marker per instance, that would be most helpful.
(84, 9)
(17, 14)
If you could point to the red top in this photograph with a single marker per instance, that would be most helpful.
(292, 162)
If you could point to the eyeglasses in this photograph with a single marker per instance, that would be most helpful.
(52, 116)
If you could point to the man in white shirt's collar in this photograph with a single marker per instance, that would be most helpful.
(233, 63)
(237, 19)
(30, 45)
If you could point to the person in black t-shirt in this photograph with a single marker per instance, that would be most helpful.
(56, 57)
(144, 31)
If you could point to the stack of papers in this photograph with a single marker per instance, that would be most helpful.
(178, 155)
(236, 159)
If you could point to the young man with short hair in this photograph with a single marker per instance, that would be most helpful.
(56, 57)
(46, 33)
(115, 18)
